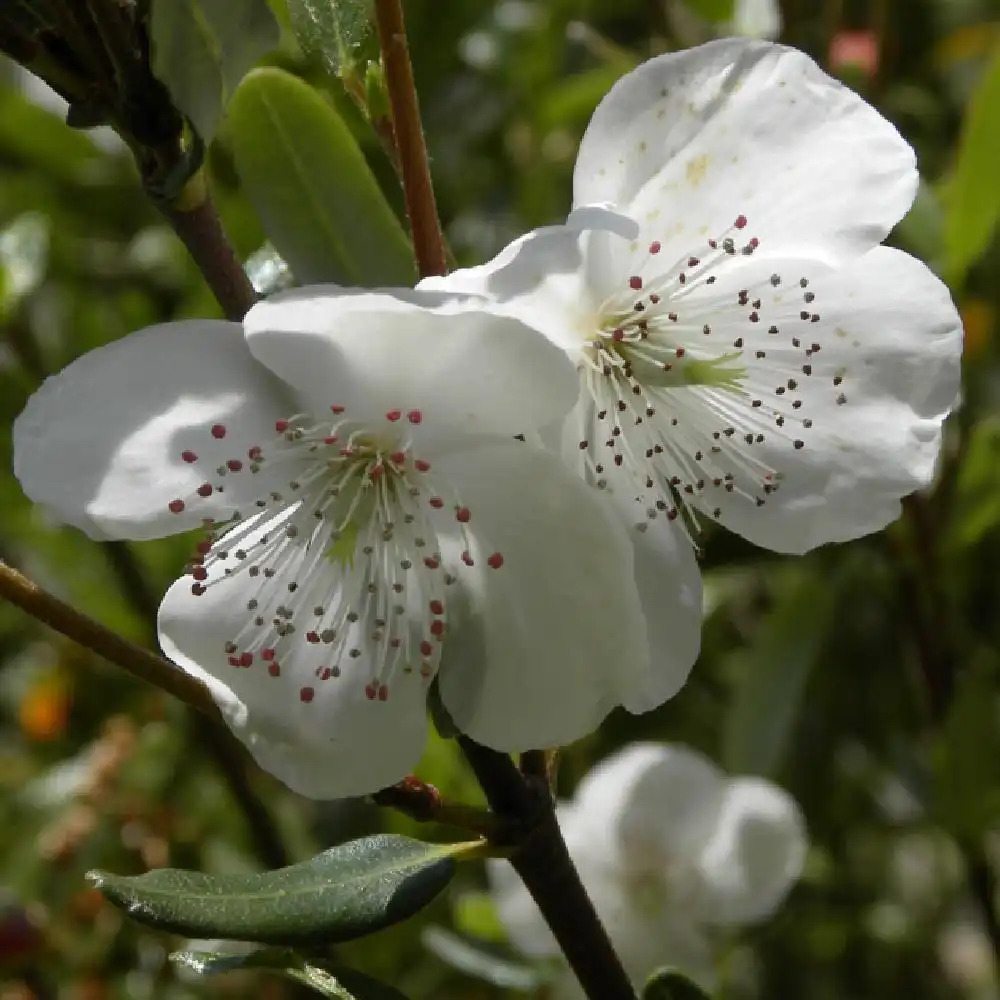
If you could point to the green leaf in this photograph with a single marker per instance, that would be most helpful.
(344, 893)
(713, 10)
(773, 671)
(338, 983)
(974, 195)
(672, 984)
(331, 29)
(967, 755)
(203, 48)
(303, 172)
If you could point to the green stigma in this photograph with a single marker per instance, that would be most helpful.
(724, 372)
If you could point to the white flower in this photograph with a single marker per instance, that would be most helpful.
(756, 18)
(671, 852)
(372, 523)
(747, 352)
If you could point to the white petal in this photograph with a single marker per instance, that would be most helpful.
(375, 352)
(885, 377)
(319, 732)
(101, 443)
(757, 18)
(669, 582)
(554, 639)
(691, 140)
(521, 918)
(554, 279)
(651, 804)
(754, 855)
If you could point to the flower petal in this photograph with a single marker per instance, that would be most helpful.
(548, 643)
(691, 140)
(754, 855)
(113, 439)
(442, 355)
(652, 805)
(555, 278)
(311, 722)
(862, 415)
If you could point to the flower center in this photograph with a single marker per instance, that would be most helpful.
(342, 564)
(680, 392)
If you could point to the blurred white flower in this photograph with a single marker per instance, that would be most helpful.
(671, 851)
(756, 19)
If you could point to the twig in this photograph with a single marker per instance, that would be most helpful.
(540, 857)
(197, 224)
(141, 663)
(428, 240)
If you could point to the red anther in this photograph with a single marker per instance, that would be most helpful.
(437, 607)
(421, 465)
(467, 558)
(436, 502)
(330, 439)
(693, 262)
(426, 670)
(741, 221)
(414, 416)
(234, 465)
(426, 648)
(672, 317)
(307, 694)
(655, 246)
(618, 334)
(437, 627)
(205, 490)
(281, 426)
(175, 506)
(347, 452)
(754, 242)
(334, 408)
(397, 457)
(375, 471)
(246, 659)
(267, 654)
(395, 642)
(393, 415)
(234, 661)
(255, 452)
(383, 693)
(218, 431)
(495, 561)
(326, 674)
(371, 692)
(197, 589)
(463, 514)
(713, 244)
(203, 547)
(679, 353)
(199, 573)
(654, 298)
(189, 456)
(672, 514)
(274, 668)
(431, 563)
(635, 282)
(312, 637)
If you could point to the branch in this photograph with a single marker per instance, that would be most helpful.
(428, 240)
(540, 857)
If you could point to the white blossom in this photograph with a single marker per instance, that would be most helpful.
(672, 853)
(372, 523)
(748, 352)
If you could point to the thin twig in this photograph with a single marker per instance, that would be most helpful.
(539, 855)
(428, 240)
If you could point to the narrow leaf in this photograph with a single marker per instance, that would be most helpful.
(331, 29)
(203, 48)
(346, 892)
(974, 202)
(308, 180)
(713, 10)
(335, 982)
(672, 984)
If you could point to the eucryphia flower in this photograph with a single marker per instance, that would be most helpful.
(748, 353)
(672, 853)
(372, 523)
(756, 18)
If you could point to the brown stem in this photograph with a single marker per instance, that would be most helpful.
(540, 857)
(196, 222)
(428, 240)
(147, 666)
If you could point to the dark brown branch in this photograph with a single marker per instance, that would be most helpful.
(428, 240)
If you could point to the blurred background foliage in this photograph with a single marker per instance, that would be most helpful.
(863, 677)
